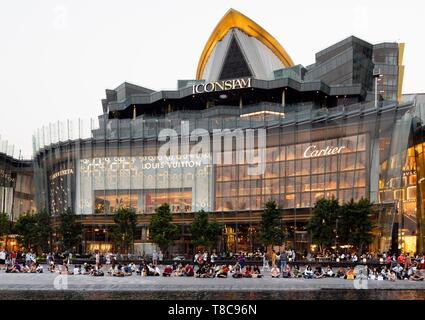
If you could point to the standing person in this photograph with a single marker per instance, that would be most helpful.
(154, 258)
(97, 256)
(13, 257)
(28, 258)
(69, 258)
(283, 260)
(2, 258)
(274, 258)
(108, 259)
(242, 260)
(160, 257)
(213, 257)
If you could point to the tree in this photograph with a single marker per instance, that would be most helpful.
(271, 231)
(162, 231)
(204, 232)
(124, 229)
(4, 226)
(44, 230)
(69, 230)
(26, 228)
(322, 224)
(355, 226)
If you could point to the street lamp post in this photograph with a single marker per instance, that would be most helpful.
(377, 76)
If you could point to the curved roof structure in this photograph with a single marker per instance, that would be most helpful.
(237, 36)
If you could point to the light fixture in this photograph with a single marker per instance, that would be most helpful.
(223, 96)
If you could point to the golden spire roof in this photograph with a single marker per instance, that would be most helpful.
(235, 19)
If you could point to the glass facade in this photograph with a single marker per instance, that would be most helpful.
(346, 152)
(16, 186)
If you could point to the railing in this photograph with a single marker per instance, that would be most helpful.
(9, 149)
(218, 117)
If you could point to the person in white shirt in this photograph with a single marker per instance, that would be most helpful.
(213, 257)
(76, 270)
(154, 258)
(2, 258)
(39, 269)
(398, 269)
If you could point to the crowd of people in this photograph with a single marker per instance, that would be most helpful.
(205, 265)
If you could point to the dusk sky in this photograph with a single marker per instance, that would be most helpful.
(58, 57)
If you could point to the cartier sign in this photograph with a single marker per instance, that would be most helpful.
(312, 151)
(221, 85)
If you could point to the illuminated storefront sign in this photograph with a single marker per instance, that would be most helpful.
(7, 177)
(221, 85)
(61, 173)
(313, 151)
(142, 181)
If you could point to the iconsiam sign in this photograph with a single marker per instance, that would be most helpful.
(222, 85)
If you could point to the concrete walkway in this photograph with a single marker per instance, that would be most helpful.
(54, 281)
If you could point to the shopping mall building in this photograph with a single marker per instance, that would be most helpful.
(338, 127)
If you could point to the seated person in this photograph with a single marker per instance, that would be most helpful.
(318, 273)
(83, 268)
(127, 270)
(77, 269)
(118, 272)
(286, 273)
(39, 268)
(341, 273)
(417, 276)
(25, 268)
(210, 272)
(152, 270)
(98, 272)
(222, 272)
(350, 274)
(248, 272)
(374, 274)
(179, 271)
(52, 266)
(398, 270)
(385, 273)
(296, 272)
(10, 268)
(329, 272)
(189, 271)
(202, 269)
(411, 270)
(237, 273)
(33, 268)
(308, 273)
(157, 272)
(274, 272)
(134, 268)
(256, 272)
(168, 270)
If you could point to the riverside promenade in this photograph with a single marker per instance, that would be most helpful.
(55, 286)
